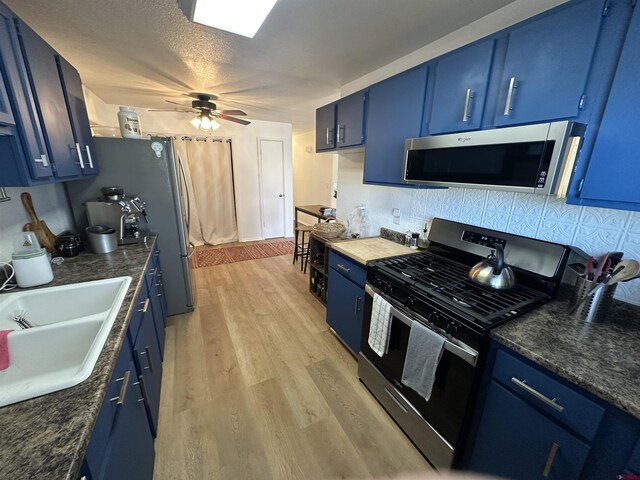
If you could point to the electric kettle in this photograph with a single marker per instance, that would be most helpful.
(492, 272)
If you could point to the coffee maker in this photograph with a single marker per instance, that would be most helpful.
(126, 214)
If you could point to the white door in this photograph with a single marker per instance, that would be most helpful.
(272, 174)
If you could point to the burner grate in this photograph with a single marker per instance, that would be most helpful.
(448, 280)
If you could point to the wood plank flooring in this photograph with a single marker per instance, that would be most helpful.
(256, 386)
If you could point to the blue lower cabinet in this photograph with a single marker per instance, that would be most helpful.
(345, 304)
(514, 440)
(121, 445)
(146, 355)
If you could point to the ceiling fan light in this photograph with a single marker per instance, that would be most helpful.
(214, 125)
(243, 17)
(205, 122)
(196, 121)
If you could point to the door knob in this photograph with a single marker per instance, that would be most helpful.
(281, 195)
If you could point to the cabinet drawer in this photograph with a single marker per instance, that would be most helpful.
(348, 268)
(140, 307)
(571, 408)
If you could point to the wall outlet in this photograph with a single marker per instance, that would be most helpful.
(396, 216)
(396, 220)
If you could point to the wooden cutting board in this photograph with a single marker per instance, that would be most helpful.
(46, 238)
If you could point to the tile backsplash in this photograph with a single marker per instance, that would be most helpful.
(595, 230)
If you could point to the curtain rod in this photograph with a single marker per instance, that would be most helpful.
(203, 139)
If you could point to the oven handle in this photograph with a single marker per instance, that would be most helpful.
(459, 349)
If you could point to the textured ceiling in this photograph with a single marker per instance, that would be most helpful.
(140, 52)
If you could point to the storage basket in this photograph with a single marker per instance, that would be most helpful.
(329, 230)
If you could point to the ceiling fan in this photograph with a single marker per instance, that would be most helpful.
(206, 111)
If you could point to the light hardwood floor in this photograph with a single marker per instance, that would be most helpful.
(256, 386)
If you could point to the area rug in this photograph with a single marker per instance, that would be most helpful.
(207, 256)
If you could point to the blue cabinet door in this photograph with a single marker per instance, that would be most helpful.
(131, 453)
(460, 88)
(6, 117)
(614, 168)
(345, 303)
(350, 120)
(148, 362)
(40, 60)
(547, 64)
(74, 99)
(514, 440)
(326, 127)
(23, 153)
(395, 109)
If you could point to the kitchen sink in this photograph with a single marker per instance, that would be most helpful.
(70, 325)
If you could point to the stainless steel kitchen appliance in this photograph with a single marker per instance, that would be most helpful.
(433, 288)
(530, 159)
(151, 170)
(127, 215)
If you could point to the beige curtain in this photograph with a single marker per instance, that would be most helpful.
(210, 181)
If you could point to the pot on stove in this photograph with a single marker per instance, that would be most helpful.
(492, 272)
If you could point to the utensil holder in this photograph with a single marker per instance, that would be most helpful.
(596, 308)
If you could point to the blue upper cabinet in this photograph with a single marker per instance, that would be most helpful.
(77, 110)
(614, 169)
(547, 64)
(326, 127)
(42, 71)
(45, 133)
(460, 88)
(350, 119)
(23, 152)
(395, 110)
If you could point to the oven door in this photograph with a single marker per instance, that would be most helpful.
(452, 391)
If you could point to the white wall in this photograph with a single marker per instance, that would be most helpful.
(245, 154)
(51, 204)
(313, 174)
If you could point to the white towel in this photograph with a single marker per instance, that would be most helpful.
(380, 325)
(421, 362)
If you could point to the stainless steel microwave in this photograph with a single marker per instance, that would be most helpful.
(530, 159)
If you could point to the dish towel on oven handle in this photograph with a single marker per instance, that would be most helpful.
(380, 327)
(421, 362)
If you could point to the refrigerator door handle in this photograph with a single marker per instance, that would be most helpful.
(186, 190)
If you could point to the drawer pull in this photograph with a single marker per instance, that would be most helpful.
(549, 401)
(143, 390)
(145, 305)
(123, 388)
(357, 306)
(147, 352)
(550, 458)
(343, 268)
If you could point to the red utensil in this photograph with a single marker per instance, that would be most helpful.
(601, 264)
(605, 271)
(588, 268)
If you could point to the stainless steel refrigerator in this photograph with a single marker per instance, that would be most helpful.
(150, 170)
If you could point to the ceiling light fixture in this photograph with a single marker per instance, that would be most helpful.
(243, 17)
(204, 122)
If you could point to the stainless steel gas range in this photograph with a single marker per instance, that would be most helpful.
(432, 288)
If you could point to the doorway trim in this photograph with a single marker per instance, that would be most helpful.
(260, 180)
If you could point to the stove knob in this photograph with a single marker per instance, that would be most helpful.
(434, 318)
(410, 301)
(388, 289)
(452, 328)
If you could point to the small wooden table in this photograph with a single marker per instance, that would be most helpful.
(313, 210)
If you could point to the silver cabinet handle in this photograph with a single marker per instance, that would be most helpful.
(143, 389)
(341, 128)
(512, 87)
(357, 306)
(80, 159)
(467, 112)
(90, 160)
(43, 160)
(145, 305)
(147, 352)
(338, 127)
(549, 401)
(328, 136)
(342, 267)
(550, 458)
(123, 388)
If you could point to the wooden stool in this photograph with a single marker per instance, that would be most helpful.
(301, 248)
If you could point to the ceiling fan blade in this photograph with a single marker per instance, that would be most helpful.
(231, 119)
(183, 110)
(176, 103)
(231, 112)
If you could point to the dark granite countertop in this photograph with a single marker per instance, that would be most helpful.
(602, 358)
(46, 437)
